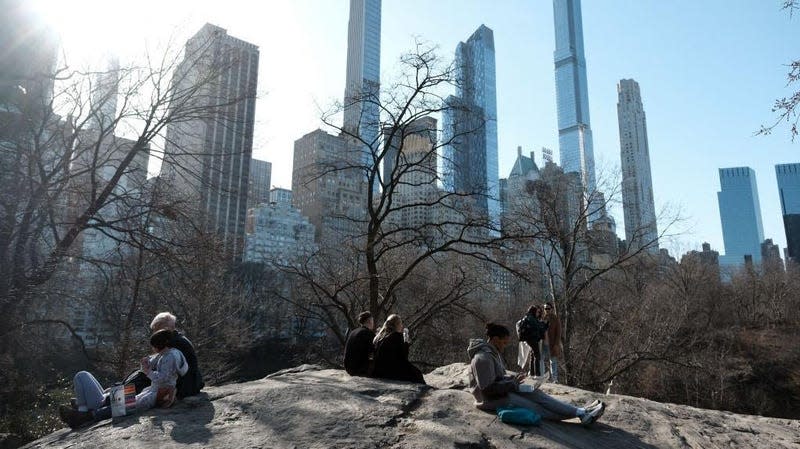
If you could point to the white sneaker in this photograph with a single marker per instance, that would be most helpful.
(592, 405)
(593, 415)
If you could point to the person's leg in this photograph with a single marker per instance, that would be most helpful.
(88, 392)
(546, 406)
(546, 358)
(554, 369)
(536, 358)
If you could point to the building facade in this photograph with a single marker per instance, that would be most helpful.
(325, 190)
(572, 93)
(740, 215)
(362, 89)
(470, 120)
(278, 233)
(259, 183)
(637, 184)
(207, 159)
(789, 190)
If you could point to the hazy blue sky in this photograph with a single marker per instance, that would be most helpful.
(709, 71)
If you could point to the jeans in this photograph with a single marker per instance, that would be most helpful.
(545, 405)
(547, 356)
(89, 395)
(536, 359)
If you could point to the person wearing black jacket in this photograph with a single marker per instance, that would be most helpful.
(391, 353)
(191, 383)
(358, 348)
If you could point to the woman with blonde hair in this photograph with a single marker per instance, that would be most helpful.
(391, 353)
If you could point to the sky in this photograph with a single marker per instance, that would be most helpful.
(709, 72)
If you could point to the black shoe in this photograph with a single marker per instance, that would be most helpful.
(76, 419)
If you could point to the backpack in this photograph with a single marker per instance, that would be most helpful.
(138, 379)
(518, 415)
(530, 329)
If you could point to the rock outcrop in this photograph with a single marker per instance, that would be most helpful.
(308, 407)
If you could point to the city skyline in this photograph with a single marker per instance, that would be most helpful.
(699, 120)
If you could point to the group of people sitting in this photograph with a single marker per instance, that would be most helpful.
(384, 355)
(171, 372)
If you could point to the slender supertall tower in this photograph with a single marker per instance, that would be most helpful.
(572, 94)
(361, 111)
(637, 183)
(470, 124)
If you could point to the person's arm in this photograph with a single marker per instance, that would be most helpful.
(166, 367)
(488, 380)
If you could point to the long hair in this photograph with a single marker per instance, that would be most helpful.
(388, 327)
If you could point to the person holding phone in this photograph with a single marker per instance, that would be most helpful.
(493, 387)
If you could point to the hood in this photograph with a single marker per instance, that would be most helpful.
(477, 345)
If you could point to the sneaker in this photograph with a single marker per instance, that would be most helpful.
(593, 415)
(591, 405)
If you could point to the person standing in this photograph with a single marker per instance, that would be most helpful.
(551, 349)
(358, 349)
(493, 387)
(531, 330)
(391, 353)
(190, 383)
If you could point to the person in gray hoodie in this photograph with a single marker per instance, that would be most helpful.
(493, 387)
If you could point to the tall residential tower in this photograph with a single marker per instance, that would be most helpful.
(470, 124)
(637, 184)
(740, 214)
(207, 158)
(361, 94)
(572, 94)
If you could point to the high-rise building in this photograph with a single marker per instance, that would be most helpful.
(572, 93)
(325, 190)
(104, 96)
(637, 183)
(740, 214)
(470, 124)
(789, 189)
(208, 158)
(362, 89)
(279, 195)
(259, 183)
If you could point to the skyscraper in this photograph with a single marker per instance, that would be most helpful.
(259, 183)
(361, 117)
(470, 124)
(572, 94)
(637, 184)
(207, 158)
(789, 189)
(740, 214)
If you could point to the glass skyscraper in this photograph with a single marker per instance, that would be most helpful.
(361, 117)
(470, 122)
(637, 183)
(789, 189)
(572, 94)
(740, 214)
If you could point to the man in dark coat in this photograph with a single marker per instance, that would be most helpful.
(358, 348)
(192, 382)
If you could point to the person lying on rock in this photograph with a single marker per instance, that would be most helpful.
(492, 387)
(358, 349)
(162, 368)
(391, 353)
(191, 383)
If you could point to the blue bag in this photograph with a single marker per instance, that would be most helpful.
(519, 415)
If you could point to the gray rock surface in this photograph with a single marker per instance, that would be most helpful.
(307, 407)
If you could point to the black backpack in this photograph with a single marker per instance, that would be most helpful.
(530, 329)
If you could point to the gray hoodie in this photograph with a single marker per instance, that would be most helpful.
(488, 380)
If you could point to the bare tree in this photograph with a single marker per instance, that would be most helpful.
(786, 107)
(403, 223)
